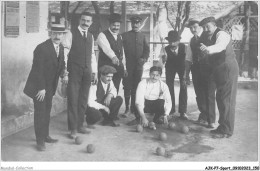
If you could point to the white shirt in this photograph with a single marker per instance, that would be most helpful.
(93, 97)
(222, 40)
(189, 56)
(153, 91)
(67, 42)
(56, 48)
(105, 46)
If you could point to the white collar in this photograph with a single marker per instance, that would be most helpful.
(114, 34)
(55, 45)
(81, 30)
(201, 30)
(104, 84)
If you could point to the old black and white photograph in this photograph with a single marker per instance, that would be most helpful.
(129, 85)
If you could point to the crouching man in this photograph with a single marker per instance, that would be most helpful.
(153, 96)
(103, 99)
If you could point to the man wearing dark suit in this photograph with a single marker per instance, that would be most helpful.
(136, 52)
(201, 71)
(48, 65)
(111, 51)
(175, 64)
(217, 47)
(81, 64)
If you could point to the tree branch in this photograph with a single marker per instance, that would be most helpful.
(95, 5)
(79, 3)
(166, 7)
(187, 15)
(111, 8)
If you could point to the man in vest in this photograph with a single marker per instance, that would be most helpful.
(48, 65)
(217, 47)
(111, 50)
(175, 63)
(81, 64)
(201, 70)
(137, 52)
(103, 99)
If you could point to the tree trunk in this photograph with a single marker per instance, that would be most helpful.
(111, 8)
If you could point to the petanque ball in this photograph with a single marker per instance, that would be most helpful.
(139, 128)
(171, 125)
(152, 125)
(160, 151)
(78, 140)
(90, 148)
(184, 129)
(168, 154)
(163, 136)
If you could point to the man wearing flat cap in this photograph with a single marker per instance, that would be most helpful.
(136, 52)
(175, 64)
(48, 65)
(103, 99)
(111, 51)
(217, 47)
(201, 71)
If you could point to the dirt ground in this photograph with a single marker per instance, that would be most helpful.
(125, 144)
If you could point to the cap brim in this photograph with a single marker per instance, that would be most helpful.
(64, 31)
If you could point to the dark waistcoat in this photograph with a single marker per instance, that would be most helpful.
(221, 57)
(195, 48)
(101, 95)
(81, 49)
(174, 60)
(116, 46)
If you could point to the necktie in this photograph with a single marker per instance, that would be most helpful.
(57, 50)
(84, 35)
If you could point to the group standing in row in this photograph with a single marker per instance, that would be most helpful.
(93, 84)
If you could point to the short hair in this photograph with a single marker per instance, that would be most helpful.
(87, 14)
(192, 22)
(156, 68)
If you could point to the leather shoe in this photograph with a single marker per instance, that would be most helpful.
(110, 123)
(73, 134)
(41, 147)
(220, 135)
(215, 131)
(201, 121)
(83, 131)
(48, 139)
(91, 127)
(183, 116)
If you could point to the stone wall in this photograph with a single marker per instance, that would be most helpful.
(16, 61)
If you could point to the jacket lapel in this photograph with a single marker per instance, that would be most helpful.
(53, 54)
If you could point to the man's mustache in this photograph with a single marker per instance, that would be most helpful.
(85, 25)
(56, 39)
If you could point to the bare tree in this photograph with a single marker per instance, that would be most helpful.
(182, 15)
(111, 7)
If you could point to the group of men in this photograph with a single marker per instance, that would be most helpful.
(92, 87)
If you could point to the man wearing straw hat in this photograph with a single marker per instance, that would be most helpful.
(48, 65)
